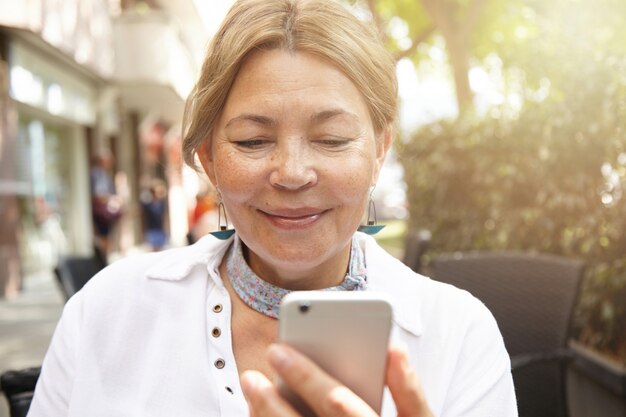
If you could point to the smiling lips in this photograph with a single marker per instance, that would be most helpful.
(294, 218)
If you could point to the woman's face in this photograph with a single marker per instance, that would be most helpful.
(294, 154)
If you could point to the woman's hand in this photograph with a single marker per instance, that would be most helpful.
(324, 394)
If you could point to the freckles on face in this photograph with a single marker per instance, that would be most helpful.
(293, 156)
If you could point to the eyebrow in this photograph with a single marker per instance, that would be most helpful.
(255, 118)
(329, 114)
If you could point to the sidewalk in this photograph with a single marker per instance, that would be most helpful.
(27, 323)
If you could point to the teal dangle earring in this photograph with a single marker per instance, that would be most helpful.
(371, 228)
(224, 232)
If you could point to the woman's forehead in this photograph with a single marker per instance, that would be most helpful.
(281, 81)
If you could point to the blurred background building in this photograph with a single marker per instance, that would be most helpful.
(77, 78)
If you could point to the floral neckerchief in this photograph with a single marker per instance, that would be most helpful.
(265, 297)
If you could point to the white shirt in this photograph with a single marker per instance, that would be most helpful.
(139, 340)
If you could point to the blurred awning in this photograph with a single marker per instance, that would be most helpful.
(151, 98)
(154, 68)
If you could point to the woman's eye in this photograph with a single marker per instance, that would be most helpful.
(251, 143)
(333, 142)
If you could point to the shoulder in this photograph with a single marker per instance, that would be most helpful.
(148, 272)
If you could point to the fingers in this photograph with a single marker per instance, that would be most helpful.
(404, 385)
(263, 398)
(325, 395)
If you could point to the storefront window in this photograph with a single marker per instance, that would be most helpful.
(46, 86)
(43, 162)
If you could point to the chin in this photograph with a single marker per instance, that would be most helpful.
(300, 258)
(297, 254)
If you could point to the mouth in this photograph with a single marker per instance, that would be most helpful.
(299, 218)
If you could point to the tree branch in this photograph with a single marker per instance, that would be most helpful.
(476, 8)
(441, 13)
(421, 37)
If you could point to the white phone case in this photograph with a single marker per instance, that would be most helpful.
(346, 333)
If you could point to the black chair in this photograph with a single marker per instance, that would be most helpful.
(532, 297)
(416, 244)
(18, 388)
(72, 272)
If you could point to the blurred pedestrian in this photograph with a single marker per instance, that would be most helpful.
(154, 212)
(105, 203)
(204, 216)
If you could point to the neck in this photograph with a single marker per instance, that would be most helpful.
(329, 273)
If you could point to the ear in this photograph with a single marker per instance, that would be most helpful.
(205, 155)
(383, 144)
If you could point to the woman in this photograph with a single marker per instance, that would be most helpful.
(291, 120)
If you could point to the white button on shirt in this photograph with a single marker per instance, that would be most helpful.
(138, 340)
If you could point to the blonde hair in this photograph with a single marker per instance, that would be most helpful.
(320, 27)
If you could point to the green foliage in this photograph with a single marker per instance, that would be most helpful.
(545, 38)
(404, 20)
(550, 179)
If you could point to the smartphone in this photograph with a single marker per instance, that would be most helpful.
(346, 333)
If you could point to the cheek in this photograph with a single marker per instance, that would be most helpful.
(351, 180)
(235, 178)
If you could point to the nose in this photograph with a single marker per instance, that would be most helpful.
(293, 167)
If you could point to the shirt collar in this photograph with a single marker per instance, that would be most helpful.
(208, 252)
(384, 273)
(403, 286)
